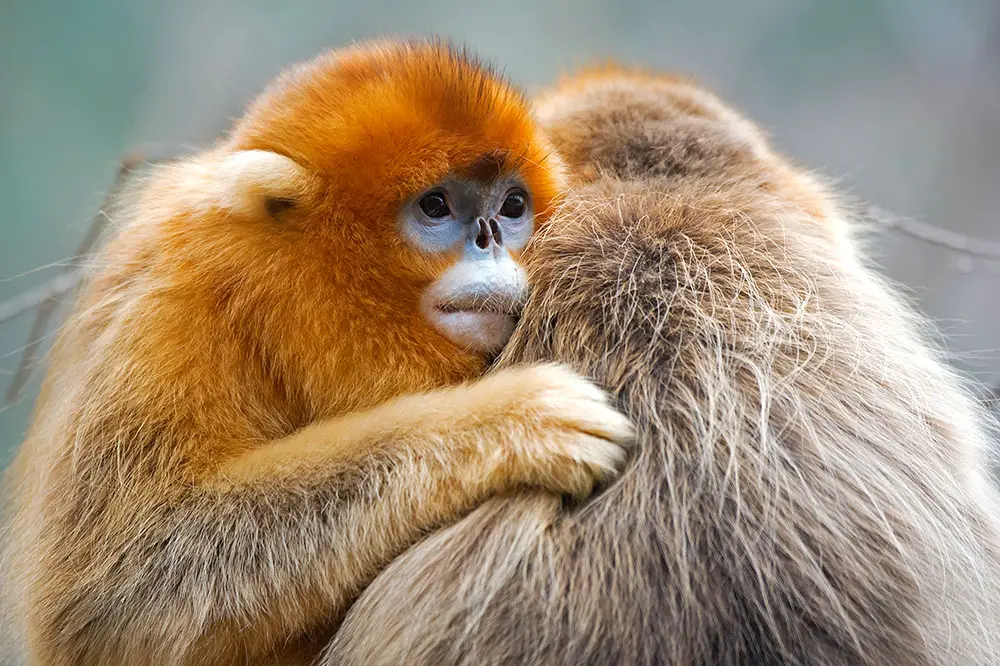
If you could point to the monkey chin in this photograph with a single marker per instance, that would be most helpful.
(476, 303)
(478, 331)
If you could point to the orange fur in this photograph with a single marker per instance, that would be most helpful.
(194, 488)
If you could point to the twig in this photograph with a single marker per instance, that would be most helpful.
(967, 245)
(35, 337)
(30, 299)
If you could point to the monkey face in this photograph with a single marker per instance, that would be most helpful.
(482, 226)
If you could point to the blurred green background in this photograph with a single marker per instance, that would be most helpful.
(898, 99)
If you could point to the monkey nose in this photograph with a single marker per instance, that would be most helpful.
(487, 233)
(495, 230)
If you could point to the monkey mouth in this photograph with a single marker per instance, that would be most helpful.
(480, 331)
(500, 304)
(478, 323)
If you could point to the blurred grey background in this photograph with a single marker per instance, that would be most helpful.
(899, 100)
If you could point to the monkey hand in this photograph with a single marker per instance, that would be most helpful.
(569, 437)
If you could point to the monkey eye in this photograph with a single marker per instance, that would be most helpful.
(434, 205)
(514, 205)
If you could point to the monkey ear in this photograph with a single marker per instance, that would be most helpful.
(261, 183)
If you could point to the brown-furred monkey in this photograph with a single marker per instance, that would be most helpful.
(221, 459)
(807, 488)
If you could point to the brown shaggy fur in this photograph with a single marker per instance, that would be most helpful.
(807, 489)
(194, 489)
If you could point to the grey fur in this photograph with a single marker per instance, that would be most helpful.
(808, 487)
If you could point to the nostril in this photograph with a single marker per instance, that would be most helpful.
(483, 235)
(495, 229)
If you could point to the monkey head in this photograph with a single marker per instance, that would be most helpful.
(365, 219)
(432, 177)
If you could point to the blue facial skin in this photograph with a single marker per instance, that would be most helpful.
(476, 300)
(468, 201)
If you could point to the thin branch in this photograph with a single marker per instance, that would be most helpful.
(32, 298)
(30, 353)
(956, 242)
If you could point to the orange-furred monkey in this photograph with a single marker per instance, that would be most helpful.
(221, 459)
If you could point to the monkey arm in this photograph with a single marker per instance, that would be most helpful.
(279, 538)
